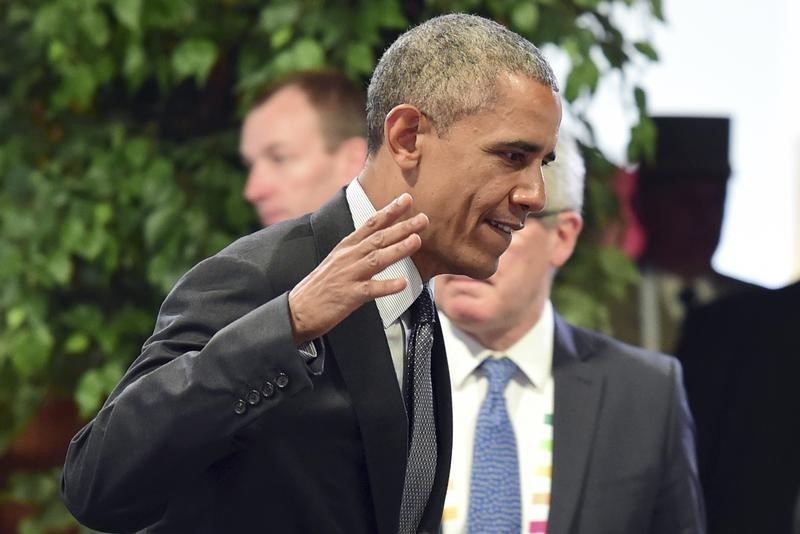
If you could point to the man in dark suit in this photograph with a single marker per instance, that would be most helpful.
(599, 432)
(274, 392)
(741, 355)
(680, 203)
(797, 515)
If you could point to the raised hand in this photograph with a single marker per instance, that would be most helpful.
(343, 281)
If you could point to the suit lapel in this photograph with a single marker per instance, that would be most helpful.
(359, 346)
(578, 395)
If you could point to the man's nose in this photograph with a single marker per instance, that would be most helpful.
(530, 194)
(257, 184)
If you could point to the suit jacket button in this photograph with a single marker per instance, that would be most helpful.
(253, 397)
(268, 390)
(240, 407)
(282, 380)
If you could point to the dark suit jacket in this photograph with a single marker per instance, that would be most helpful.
(168, 452)
(796, 528)
(623, 440)
(741, 357)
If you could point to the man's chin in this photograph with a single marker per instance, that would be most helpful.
(479, 266)
(268, 219)
(466, 315)
(461, 281)
(479, 270)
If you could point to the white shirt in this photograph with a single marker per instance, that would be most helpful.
(529, 400)
(393, 309)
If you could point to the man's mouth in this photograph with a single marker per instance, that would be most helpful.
(268, 215)
(505, 227)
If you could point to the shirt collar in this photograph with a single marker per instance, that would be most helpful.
(533, 353)
(390, 307)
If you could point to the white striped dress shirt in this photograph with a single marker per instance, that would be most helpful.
(393, 309)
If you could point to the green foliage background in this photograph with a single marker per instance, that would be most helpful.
(119, 169)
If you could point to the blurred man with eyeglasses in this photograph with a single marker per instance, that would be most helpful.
(562, 429)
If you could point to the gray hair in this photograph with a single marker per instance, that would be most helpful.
(448, 67)
(564, 178)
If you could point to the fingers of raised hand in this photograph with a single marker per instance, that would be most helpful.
(382, 219)
(343, 281)
(378, 259)
(393, 234)
(372, 289)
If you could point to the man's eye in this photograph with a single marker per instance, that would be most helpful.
(514, 157)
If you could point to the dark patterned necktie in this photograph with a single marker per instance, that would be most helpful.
(421, 464)
(494, 492)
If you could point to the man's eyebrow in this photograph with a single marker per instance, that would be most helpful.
(523, 145)
(264, 151)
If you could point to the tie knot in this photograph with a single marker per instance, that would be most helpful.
(422, 310)
(499, 371)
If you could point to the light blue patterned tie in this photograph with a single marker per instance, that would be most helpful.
(494, 494)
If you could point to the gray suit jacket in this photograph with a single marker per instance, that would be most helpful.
(623, 443)
(219, 426)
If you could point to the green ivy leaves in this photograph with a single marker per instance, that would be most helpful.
(194, 58)
(128, 13)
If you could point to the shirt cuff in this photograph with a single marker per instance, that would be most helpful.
(313, 355)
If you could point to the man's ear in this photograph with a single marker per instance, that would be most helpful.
(568, 228)
(401, 132)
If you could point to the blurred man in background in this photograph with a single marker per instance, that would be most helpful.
(736, 341)
(680, 203)
(559, 429)
(303, 140)
(797, 515)
(741, 356)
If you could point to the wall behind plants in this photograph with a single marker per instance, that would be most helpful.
(119, 168)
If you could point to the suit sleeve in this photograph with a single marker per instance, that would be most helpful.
(221, 356)
(680, 508)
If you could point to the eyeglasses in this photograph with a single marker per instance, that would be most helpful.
(548, 213)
